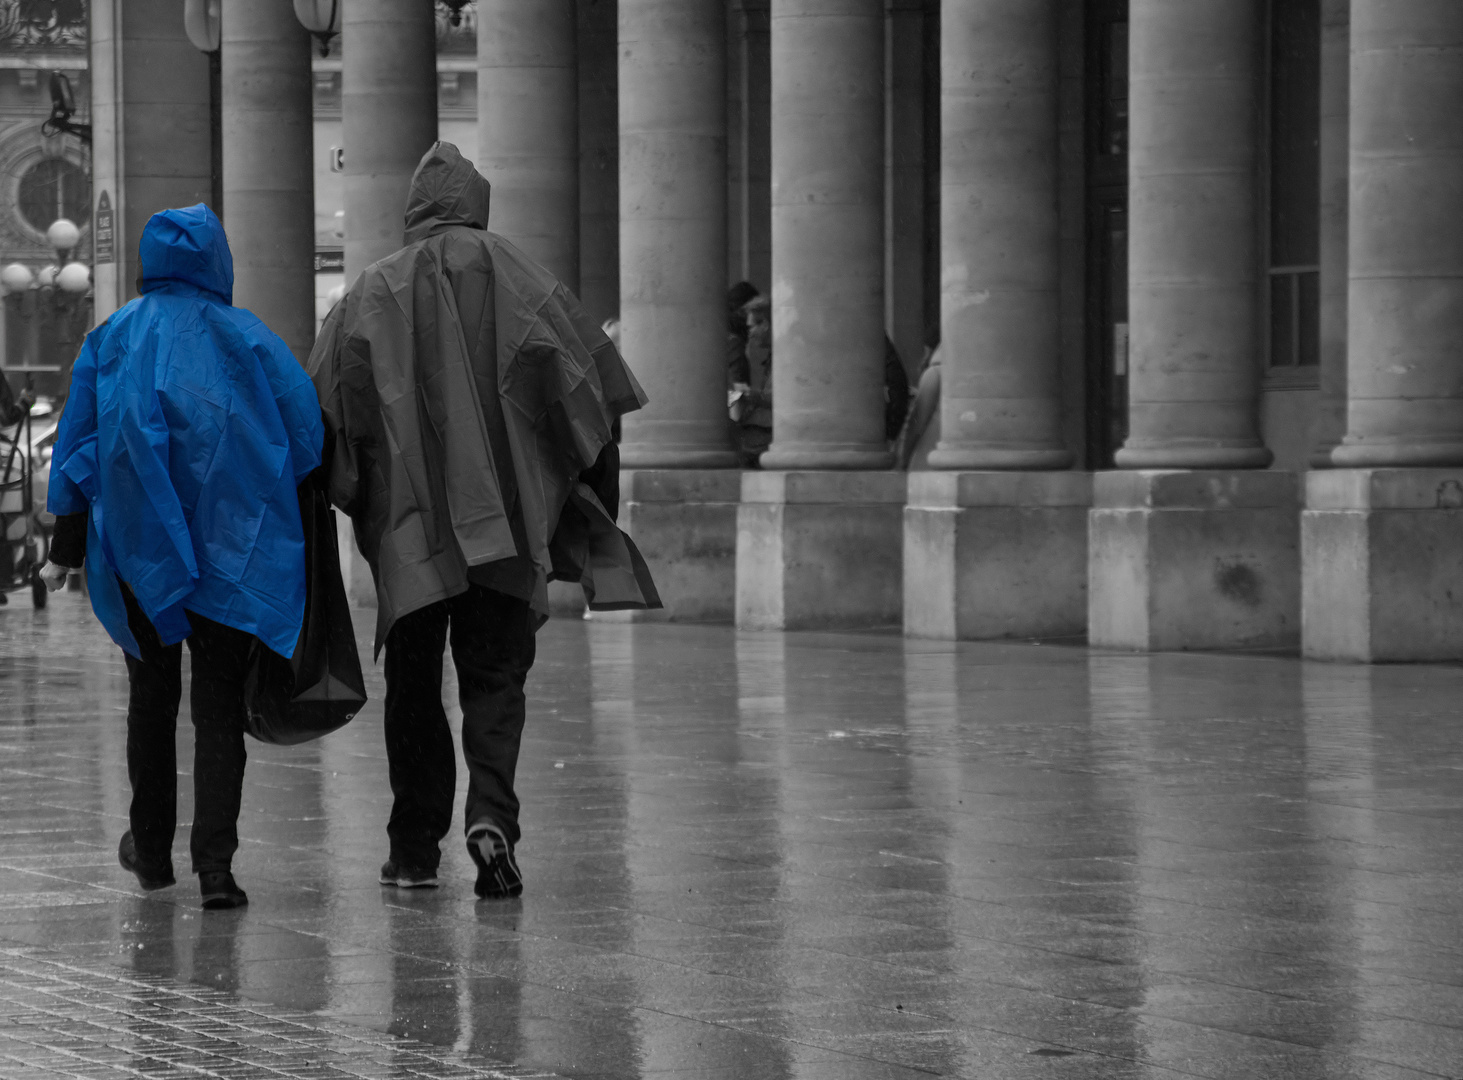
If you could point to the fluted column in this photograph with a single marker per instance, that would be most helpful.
(1001, 400)
(1193, 262)
(1405, 382)
(528, 127)
(1335, 184)
(827, 235)
(388, 118)
(673, 230)
(268, 166)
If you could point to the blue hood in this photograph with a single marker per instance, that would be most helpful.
(187, 245)
(188, 427)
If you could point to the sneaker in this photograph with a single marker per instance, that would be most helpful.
(498, 876)
(407, 877)
(220, 890)
(150, 876)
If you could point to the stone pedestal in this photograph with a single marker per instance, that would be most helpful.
(996, 554)
(820, 550)
(685, 523)
(1194, 560)
(1382, 559)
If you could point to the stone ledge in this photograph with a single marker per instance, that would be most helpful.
(824, 486)
(1198, 489)
(681, 485)
(1384, 489)
(947, 490)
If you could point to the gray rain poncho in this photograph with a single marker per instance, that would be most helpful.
(468, 404)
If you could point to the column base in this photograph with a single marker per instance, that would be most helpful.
(820, 550)
(996, 555)
(983, 458)
(634, 456)
(1165, 456)
(684, 521)
(819, 457)
(1382, 565)
(1194, 560)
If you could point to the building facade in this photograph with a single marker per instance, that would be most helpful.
(1193, 270)
(45, 174)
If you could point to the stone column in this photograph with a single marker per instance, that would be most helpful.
(679, 502)
(673, 230)
(828, 235)
(388, 105)
(904, 179)
(1184, 551)
(1405, 316)
(820, 535)
(749, 117)
(151, 138)
(268, 166)
(1001, 403)
(1330, 423)
(1194, 228)
(999, 553)
(599, 160)
(1383, 532)
(528, 128)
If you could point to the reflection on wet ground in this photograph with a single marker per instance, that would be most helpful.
(766, 857)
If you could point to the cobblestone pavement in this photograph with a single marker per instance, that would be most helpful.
(768, 857)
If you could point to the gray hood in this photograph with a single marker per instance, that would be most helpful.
(446, 191)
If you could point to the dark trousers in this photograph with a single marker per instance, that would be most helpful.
(216, 694)
(493, 642)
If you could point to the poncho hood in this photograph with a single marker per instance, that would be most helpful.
(445, 191)
(187, 428)
(187, 245)
(468, 400)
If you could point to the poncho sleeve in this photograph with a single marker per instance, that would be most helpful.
(298, 406)
(323, 370)
(74, 458)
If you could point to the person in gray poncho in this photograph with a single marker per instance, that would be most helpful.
(469, 404)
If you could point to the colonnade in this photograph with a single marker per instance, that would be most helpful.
(1192, 542)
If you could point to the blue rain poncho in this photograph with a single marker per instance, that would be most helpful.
(188, 426)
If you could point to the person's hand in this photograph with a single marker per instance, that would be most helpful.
(26, 398)
(54, 576)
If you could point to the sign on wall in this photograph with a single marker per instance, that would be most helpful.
(103, 246)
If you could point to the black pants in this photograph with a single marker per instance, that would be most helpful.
(493, 645)
(220, 658)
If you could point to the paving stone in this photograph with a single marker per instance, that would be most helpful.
(768, 857)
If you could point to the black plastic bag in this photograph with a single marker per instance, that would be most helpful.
(321, 687)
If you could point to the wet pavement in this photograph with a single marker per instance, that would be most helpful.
(767, 857)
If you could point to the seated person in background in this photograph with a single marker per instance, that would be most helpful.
(749, 379)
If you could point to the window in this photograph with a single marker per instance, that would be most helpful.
(1295, 183)
(54, 188)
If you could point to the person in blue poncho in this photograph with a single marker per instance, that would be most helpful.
(188, 426)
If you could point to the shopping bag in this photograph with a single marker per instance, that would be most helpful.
(321, 687)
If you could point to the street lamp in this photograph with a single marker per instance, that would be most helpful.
(321, 18)
(203, 24)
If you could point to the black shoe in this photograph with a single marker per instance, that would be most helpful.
(498, 876)
(149, 875)
(407, 877)
(220, 890)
